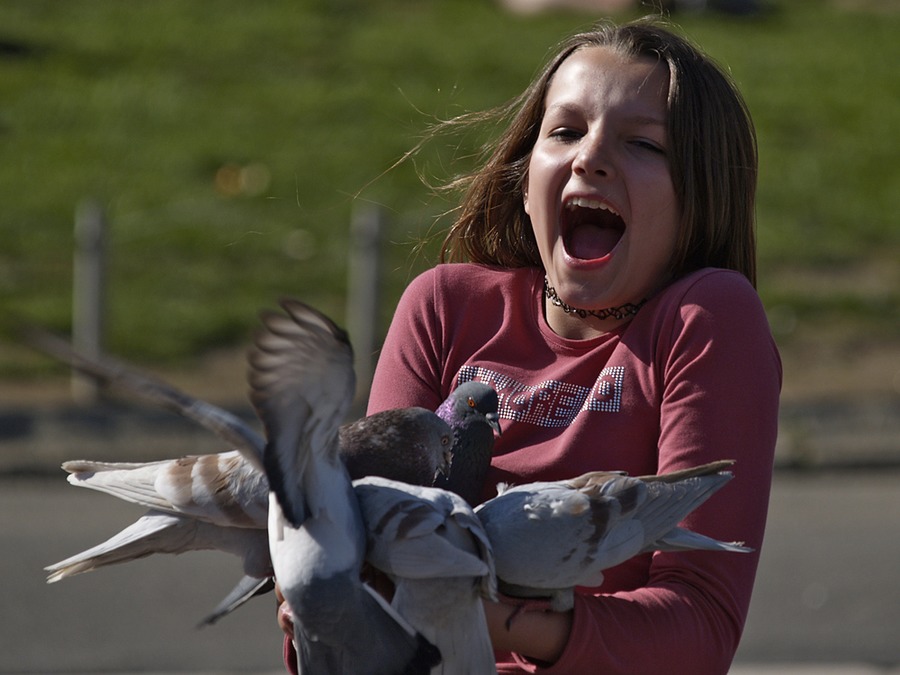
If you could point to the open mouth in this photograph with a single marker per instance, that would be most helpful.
(591, 229)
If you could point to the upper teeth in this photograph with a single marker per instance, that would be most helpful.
(586, 203)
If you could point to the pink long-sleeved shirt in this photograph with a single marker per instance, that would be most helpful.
(694, 377)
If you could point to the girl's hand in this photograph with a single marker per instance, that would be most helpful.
(283, 614)
(528, 628)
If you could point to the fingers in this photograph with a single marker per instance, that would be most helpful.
(283, 614)
(285, 620)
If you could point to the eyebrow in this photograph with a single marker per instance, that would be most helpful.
(644, 120)
(647, 120)
(641, 120)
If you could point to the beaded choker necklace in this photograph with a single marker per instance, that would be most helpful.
(619, 312)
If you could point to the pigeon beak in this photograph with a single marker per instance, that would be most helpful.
(494, 420)
(444, 467)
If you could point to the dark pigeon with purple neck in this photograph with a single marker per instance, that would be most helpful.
(471, 412)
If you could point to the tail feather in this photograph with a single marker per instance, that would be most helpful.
(152, 533)
(139, 488)
(449, 613)
(662, 510)
(702, 470)
(386, 645)
(396, 635)
(679, 539)
(158, 532)
(246, 589)
(469, 645)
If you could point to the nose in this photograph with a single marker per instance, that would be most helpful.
(594, 156)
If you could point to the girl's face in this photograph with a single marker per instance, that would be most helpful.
(599, 191)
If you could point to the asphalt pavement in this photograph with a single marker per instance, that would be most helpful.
(827, 598)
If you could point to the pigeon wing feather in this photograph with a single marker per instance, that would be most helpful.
(220, 488)
(143, 387)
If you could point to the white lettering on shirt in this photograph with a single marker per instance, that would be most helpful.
(550, 403)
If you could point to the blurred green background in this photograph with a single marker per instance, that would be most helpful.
(230, 142)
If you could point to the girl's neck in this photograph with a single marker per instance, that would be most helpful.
(582, 324)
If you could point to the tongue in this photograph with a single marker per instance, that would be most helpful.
(588, 242)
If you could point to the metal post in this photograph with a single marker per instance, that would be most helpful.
(363, 292)
(88, 293)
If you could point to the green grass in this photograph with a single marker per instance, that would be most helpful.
(140, 104)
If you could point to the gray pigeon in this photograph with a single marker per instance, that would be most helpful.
(471, 412)
(413, 445)
(115, 375)
(369, 445)
(302, 383)
(249, 587)
(592, 523)
(405, 444)
(224, 489)
(435, 551)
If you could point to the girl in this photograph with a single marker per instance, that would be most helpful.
(608, 296)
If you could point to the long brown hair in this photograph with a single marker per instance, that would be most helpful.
(712, 155)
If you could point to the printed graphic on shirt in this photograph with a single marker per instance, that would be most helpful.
(550, 403)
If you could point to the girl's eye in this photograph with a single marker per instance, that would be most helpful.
(648, 145)
(565, 134)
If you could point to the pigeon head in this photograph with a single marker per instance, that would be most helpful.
(411, 445)
(471, 403)
(471, 412)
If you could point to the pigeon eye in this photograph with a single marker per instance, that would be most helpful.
(445, 440)
(471, 402)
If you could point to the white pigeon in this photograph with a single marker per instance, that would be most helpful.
(200, 502)
(302, 383)
(591, 523)
(230, 488)
(159, 532)
(434, 549)
(225, 490)
(221, 489)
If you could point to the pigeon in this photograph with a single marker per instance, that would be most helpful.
(160, 532)
(591, 523)
(200, 502)
(302, 383)
(115, 375)
(409, 444)
(413, 445)
(471, 412)
(228, 489)
(369, 445)
(204, 502)
(221, 489)
(250, 586)
(225, 490)
(434, 549)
